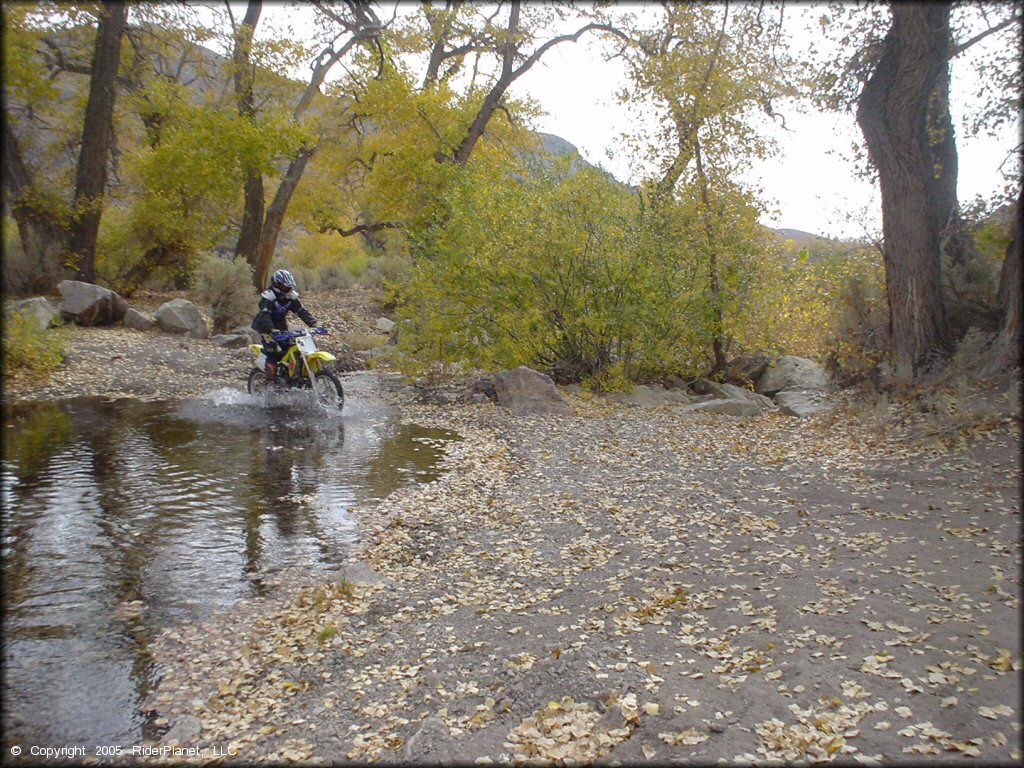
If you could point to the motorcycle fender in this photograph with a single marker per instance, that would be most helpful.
(322, 357)
(256, 349)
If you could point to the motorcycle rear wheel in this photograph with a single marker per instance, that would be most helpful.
(257, 383)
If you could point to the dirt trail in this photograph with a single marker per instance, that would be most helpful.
(627, 585)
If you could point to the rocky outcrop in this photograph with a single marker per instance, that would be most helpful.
(182, 316)
(526, 391)
(88, 304)
(790, 372)
(39, 312)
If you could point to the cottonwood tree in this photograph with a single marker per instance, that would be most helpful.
(50, 229)
(707, 72)
(351, 25)
(893, 68)
(448, 75)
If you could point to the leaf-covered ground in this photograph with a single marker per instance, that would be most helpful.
(627, 585)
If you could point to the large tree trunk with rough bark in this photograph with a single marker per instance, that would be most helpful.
(893, 114)
(43, 236)
(252, 214)
(1007, 349)
(275, 217)
(97, 131)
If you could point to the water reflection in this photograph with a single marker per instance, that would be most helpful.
(120, 518)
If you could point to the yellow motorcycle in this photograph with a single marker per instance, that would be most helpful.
(302, 366)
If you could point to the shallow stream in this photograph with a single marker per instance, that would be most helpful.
(123, 518)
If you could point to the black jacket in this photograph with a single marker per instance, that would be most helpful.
(273, 312)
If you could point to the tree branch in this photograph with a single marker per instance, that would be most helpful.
(956, 50)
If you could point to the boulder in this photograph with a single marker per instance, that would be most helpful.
(526, 391)
(800, 402)
(728, 407)
(792, 372)
(747, 369)
(185, 730)
(385, 326)
(182, 316)
(481, 391)
(644, 396)
(88, 304)
(432, 744)
(39, 312)
(135, 319)
(732, 392)
(246, 330)
(231, 340)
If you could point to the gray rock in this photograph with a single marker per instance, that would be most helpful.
(526, 391)
(800, 402)
(747, 369)
(792, 372)
(249, 333)
(644, 396)
(88, 304)
(135, 319)
(38, 311)
(230, 340)
(433, 742)
(361, 573)
(185, 730)
(182, 316)
(384, 325)
(481, 391)
(729, 407)
(732, 392)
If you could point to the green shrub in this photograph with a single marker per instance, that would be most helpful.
(384, 270)
(860, 334)
(226, 286)
(28, 349)
(333, 276)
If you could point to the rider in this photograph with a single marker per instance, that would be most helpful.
(275, 304)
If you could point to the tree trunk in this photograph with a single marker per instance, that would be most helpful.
(43, 235)
(956, 240)
(91, 181)
(892, 112)
(714, 276)
(275, 217)
(248, 243)
(1008, 350)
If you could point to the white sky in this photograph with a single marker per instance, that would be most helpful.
(812, 183)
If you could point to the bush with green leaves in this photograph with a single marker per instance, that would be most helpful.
(226, 286)
(29, 349)
(565, 272)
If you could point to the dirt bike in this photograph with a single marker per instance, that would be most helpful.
(302, 366)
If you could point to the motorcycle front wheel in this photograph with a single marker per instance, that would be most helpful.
(328, 390)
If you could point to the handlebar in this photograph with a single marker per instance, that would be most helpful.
(286, 335)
